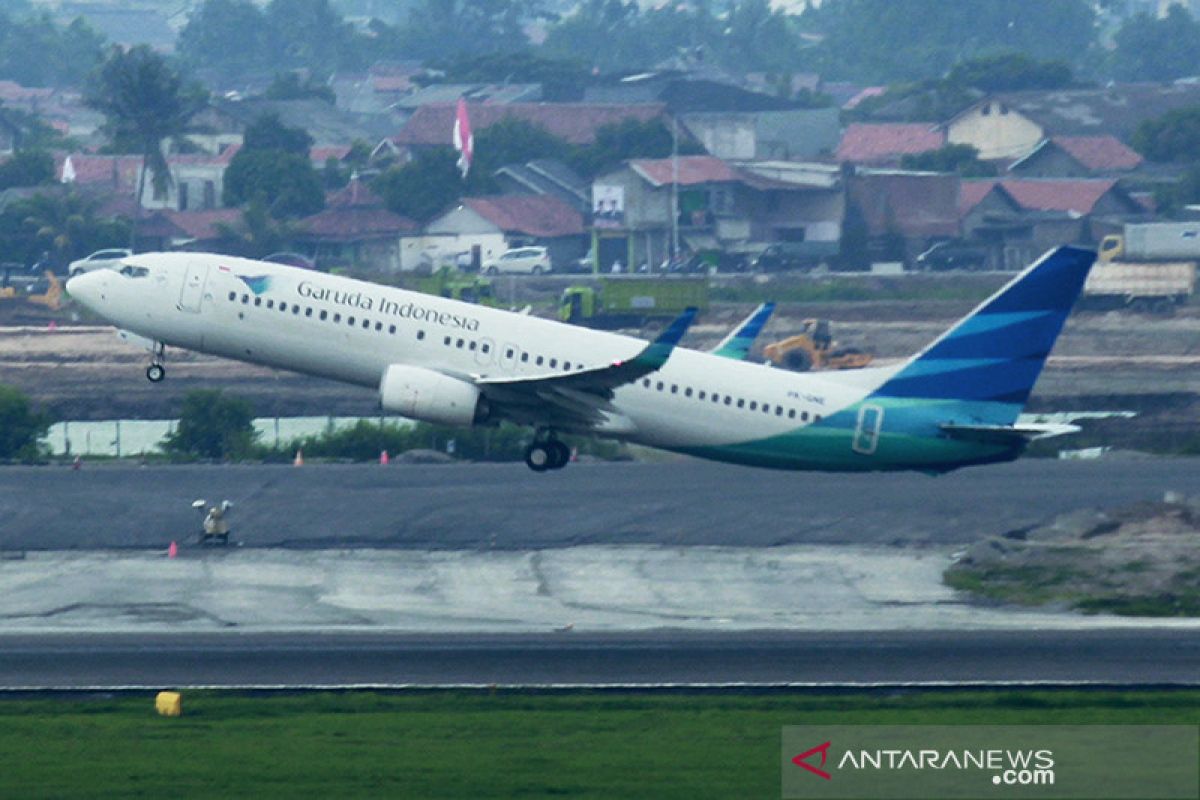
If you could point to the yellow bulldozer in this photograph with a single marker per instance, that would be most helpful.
(47, 291)
(813, 349)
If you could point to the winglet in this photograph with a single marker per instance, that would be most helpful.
(658, 351)
(738, 343)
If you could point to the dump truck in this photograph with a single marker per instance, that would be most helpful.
(1147, 267)
(457, 285)
(631, 301)
(814, 349)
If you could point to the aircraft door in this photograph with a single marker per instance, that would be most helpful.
(483, 355)
(508, 357)
(866, 434)
(193, 287)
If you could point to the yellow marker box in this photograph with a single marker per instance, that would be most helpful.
(169, 704)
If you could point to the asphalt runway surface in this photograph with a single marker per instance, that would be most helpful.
(1112, 657)
(505, 506)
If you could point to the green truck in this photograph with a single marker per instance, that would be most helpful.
(631, 301)
(456, 285)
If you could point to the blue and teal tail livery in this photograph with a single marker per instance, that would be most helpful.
(738, 343)
(989, 362)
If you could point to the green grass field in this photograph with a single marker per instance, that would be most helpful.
(462, 745)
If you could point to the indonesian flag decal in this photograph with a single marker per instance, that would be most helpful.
(464, 142)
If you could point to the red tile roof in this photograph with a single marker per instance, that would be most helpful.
(692, 170)
(203, 224)
(1099, 153)
(532, 215)
(574, 122)
(867, 143)
(319, 155)
(354, 214)
(1077, 196)
(94, 169)
(13, 92)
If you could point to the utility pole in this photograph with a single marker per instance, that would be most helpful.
(674, 188)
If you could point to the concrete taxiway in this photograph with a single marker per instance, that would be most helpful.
(505, 506)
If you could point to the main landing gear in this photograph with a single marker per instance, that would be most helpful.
(156, 371)
(547, 452)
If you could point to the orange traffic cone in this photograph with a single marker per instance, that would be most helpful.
(299, 461)
(173, 550)
(383, 457)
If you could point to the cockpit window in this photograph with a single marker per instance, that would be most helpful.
(131, 271)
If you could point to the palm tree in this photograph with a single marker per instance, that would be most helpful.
(145, 102)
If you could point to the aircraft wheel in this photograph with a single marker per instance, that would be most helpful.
(155, 373)
(538, 457)
(560, 454)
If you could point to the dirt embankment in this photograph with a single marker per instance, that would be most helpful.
(1140, 561)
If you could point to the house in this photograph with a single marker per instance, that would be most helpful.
(1077, 157)
(791, 134)
(485, 227)
(197, 182)
(116, 174)
(224, 122)
(904, 211)
(735, 207)
(885, 143)
(199, 231)
(576, 123)
(1011, 125)
(1022, 218)
(355, 229)
(545, 176)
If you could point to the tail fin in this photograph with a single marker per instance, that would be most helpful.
(992, 358)
(739, 341)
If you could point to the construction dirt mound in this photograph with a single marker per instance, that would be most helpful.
(1139, 561)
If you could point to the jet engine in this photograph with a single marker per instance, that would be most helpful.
(430, 396)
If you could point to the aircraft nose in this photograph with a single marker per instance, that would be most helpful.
(88, 288)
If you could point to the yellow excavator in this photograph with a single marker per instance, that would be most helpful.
(813, 349)
(50, 294)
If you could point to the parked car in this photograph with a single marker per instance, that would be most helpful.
(519, 260)
(953, 254)
(291, 259)
(794, 256)
(101, 259)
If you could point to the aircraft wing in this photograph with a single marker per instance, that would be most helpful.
(581, 398)
(1007, 434)
(738, 343)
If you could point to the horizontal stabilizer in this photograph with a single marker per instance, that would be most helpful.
(1007, 434)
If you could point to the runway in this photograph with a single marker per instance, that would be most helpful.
(1113, 657)
(505, 506)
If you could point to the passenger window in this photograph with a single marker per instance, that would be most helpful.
(566, 365)
(446, 341)
(308, 311)
(674, 388)
(258, 301)
(232, 295)
(701, 395)
(646, 382)
(554, 363)
(816, 417)
(791, 413)
(753, 405)
(539, 361)
(296, 310)
(804, 416)
(270, 304)
(420, 335)
(324, 315)
(509, 353)
(659, 386)
(687, 392)
(741, 403)
(524, 356)
(472, 345)
(337, 317)
(728, 400)
(350, 321)
(245, 299)
(283, 306)
(459, 344)
(366, 324)
(391, 328)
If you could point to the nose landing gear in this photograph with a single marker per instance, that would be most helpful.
(546, 453)
(156, 371)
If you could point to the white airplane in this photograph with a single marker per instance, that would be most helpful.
(953, 404)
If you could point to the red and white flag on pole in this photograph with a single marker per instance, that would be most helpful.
(464, 142)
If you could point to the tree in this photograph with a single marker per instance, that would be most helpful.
(510, 141)
(423, 187)
(886, 41)
(27, 168)
(289, 86)
(1175, 136)
(960, 158)
(227, 37)
(59, 222)
(629, 138)
(269, 133)
(1010, 72)
(213, 425)
(257, 233)
(447, 29)
(146, 102)
(286, 182)
(1149, 49)
(311, 35)
(35, 52)
(21, 427)
(273, 165)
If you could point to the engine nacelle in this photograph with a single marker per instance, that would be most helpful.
(430, 396)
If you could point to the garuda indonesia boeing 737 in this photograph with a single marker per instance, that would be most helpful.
(953, 404)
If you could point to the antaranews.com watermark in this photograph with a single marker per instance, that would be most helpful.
(948, 762)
